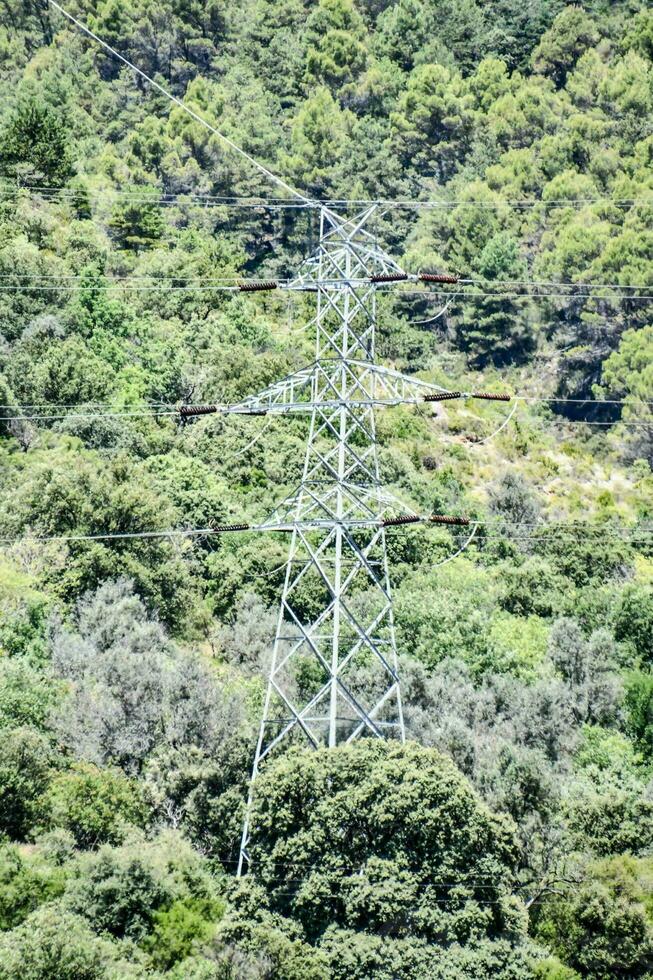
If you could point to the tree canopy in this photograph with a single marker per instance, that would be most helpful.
(509, 144)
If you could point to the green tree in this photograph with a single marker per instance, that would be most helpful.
(137, 223)
(98, 806)
(393, 843)
(433, 120)
(336, 53)
(627, 372)
(609, 812)
(26, 697)
(65, 370)
(95, 496)
(497, 329)
(572, 32)
(26, 763)
(318, 137)
(639, 702)
(513, 503)
(120, 890)
(53, 944)
(633, 621)
(639, 34)
(186, 925)
(36, 138)
(603, 929)
(585, 554)
(552, 969)
(402, 30)
(26, 881)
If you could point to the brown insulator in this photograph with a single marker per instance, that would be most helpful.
(218, 528)
(404, 519)
(438, 277)
(257, 287)
(443, 396)
(446, 519)
(490, 397)
(186, 411)
(389, 277)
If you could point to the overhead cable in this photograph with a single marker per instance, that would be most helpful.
(491, 529)
(253, 284)
(44, 282)
(492, 435)
(217, 200)
(193, 411)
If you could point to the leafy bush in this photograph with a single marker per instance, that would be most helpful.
(53, 944)
(26, 881)
(131, 687)
(120, 891)
(98, 806)
(26, 763)
(603, 929)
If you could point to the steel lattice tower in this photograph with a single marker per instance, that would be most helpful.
(333, 674)
(335, 625)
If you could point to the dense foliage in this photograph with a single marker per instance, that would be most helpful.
(511, 837)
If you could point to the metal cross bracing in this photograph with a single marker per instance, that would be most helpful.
(316, 386)
(333, 675)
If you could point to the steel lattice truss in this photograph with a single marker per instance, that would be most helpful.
(319, 385)
(333, 675)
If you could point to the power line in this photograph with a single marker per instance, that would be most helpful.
(526, 398)
(114, 536)
(155, 279)
(493, 205)
(557, 524)
(582, 401)
(119, 286)
(85, 415)
(629, 422)
(173, 287)
(173, 98)
(226, 411)
(437, 901)
(164, 199)
(514, 294)
(190, 411)
(53, 405)
(480, 879)
(553, 528)
(557, 284)
(119, 279)
(168, 199)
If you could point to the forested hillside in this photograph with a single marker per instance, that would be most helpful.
(512, 837)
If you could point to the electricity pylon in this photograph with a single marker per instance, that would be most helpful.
(333, 674)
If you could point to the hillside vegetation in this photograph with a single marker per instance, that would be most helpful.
(512, 837)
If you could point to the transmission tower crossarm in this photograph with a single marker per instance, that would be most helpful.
(341, 381)
(368, 386)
